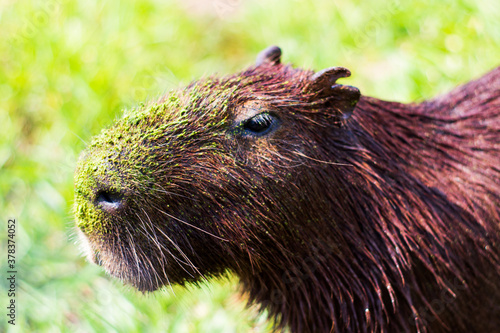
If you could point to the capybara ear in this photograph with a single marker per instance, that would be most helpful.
(271, 55)
(322, 85)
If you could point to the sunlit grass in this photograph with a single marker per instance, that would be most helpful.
(68, 68)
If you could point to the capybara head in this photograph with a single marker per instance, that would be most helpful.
(330, 222)
(215, 176)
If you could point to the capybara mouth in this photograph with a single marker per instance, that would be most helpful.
(144, 246)
(338, 212)
(132, 269)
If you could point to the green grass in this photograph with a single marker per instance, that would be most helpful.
(68, 68)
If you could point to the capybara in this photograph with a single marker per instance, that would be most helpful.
(338, 212)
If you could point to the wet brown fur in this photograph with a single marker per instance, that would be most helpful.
(388, 220)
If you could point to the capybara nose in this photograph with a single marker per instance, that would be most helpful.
(109, 201)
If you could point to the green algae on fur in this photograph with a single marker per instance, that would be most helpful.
(131, 145)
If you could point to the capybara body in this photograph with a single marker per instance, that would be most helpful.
(338, 212)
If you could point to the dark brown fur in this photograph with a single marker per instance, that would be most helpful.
(388, 220)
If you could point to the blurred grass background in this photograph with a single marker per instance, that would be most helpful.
(68, 68)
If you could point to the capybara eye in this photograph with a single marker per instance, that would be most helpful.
(259, 125)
